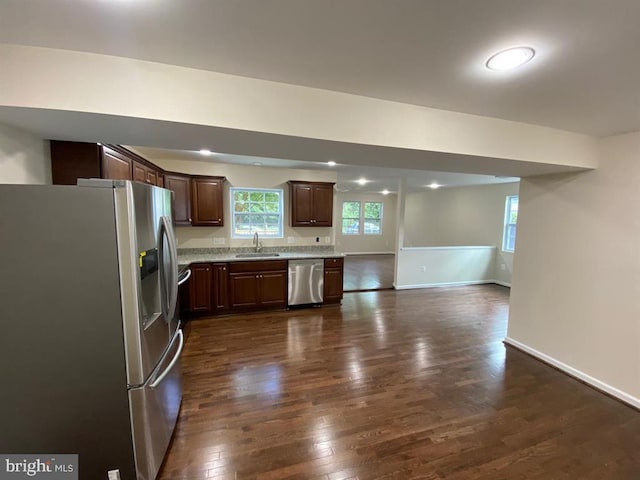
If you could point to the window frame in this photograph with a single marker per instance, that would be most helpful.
(280, 214)
(361, 218)
(508, 225)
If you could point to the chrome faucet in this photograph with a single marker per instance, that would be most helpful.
(257, 242)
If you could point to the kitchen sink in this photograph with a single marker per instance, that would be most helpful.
(257, 255)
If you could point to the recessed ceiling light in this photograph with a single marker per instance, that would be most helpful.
(510, 58)
(362, 181)
(204, 151)
(434, 185)
(385, 192)
(331, 163)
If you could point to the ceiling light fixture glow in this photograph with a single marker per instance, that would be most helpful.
(385, 192)
(434, 185)
(204, 151)
(331, 163)
(362, 181)
(510, 58)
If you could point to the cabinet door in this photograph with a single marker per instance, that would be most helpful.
(143, 173)
(322, 205)
(333, 280)
(200, 288)
(181, 188)
(220, 287)
(206, 202)
(115, 166)
(139, 172)
(273, 288)
(301, 205)
(243, 288)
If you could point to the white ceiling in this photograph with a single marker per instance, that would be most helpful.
(426, 52)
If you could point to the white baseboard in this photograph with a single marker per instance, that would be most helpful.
(600, 385)
(445, 284)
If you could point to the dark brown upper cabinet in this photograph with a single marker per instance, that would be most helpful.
(311, 204)
(73, 160)
(143, 173)
(206, 201)
(180, 185)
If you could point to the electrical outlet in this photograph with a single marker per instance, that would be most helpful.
(114, 474)
(423, 268)
(291, 240)
(503, 266)
(218, 241)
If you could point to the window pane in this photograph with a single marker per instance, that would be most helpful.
(510, 221)
(257, 207)
(351, 210)
(372, 227)
(372, 209)
(350, 227)
(271, 197)
(511, 237)
(256, 196)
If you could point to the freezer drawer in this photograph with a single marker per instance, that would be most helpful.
(306, 281)
(154, 411)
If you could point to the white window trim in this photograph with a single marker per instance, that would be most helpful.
(280, 193)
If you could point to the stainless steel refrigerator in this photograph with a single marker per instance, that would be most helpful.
(89, 336)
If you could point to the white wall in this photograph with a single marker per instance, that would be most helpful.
(442, 266)
(575, 297)
(461, 216)
(254, 177)
(24, 157)
(385, 243)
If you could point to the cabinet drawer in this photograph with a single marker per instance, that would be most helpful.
(333, 262)
(257, 266)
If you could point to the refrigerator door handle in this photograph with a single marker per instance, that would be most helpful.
(171, 296)
(166, 371)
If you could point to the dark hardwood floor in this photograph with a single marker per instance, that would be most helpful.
(368, 272)
(394, 384)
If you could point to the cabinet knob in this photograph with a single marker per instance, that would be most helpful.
(189, 219)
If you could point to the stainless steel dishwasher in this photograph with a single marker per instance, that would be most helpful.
(306, 281)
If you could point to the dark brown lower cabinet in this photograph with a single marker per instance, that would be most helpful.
(200, 288)
(261, 284)
(333, 280)
(208, 288)
(220, 288)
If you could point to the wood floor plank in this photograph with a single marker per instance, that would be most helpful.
(392, 384)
